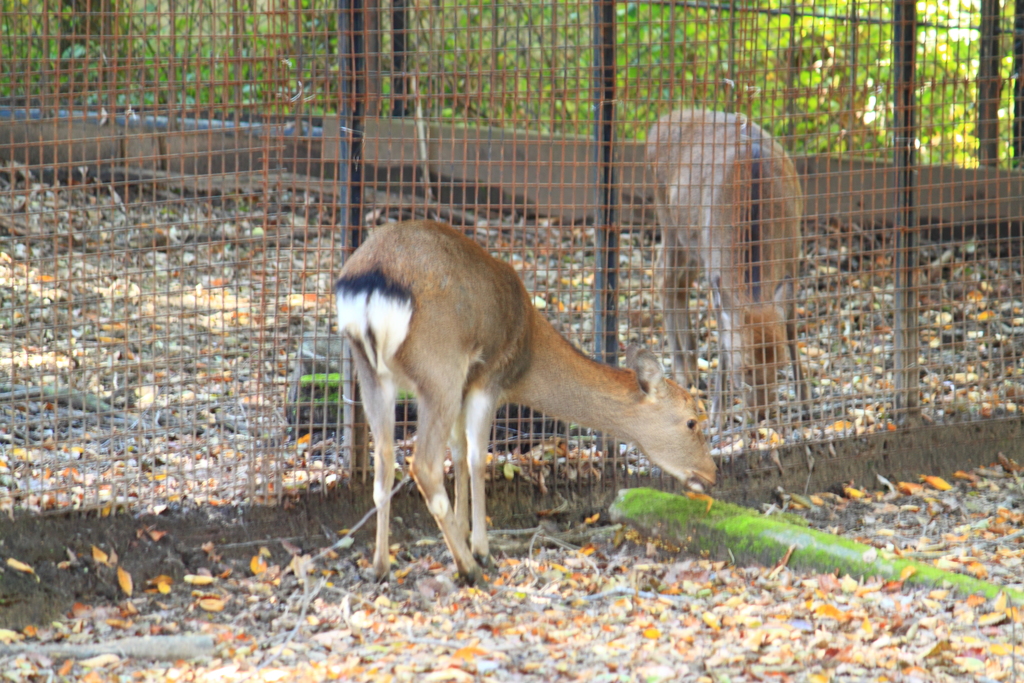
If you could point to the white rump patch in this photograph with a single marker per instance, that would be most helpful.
(379, 322)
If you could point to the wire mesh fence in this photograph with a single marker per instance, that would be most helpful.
(834, 255)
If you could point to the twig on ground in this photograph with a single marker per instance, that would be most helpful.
(153, 648)
(632, 592)
(17, 392)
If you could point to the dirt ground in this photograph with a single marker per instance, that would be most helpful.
(566, 602)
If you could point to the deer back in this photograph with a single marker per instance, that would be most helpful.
(726, 187)
(469, 311)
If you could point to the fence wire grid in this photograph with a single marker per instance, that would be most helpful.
(181, 182)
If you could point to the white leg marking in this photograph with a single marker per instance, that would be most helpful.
(380, 493)
(479, 412)
(439, 505)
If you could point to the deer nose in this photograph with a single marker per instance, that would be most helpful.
(700, 483)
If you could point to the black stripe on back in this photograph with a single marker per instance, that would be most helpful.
(372, 281)
(752, 274)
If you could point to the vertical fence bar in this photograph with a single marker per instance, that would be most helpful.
(905, 336)
(989, 84)
(731, 89)
(1018, 83)
(352, 62)
(606, 237)
(791, 70)
(399, 79)
(854, 52)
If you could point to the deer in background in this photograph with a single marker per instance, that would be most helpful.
(729, 201)
(427, 309)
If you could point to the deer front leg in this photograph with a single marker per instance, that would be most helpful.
(677, 278)
(478, 414)
(730, 353)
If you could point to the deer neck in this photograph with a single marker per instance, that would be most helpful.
(562, 382)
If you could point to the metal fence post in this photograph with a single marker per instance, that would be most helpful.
(1018, 83)
(989, 84)
(399, 80)
(904, 128)
(606, 237)
(352, 63)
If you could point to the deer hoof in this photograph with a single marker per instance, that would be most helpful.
(473, 576)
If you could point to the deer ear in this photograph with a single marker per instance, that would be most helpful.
(649, 374)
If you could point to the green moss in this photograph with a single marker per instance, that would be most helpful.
(748, 537)
(332, 379)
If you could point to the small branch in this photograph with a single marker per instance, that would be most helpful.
(16, 392)
(632, 592)
(152, 648)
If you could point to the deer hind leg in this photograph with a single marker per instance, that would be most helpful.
(379, 395)
(784, 297)
(718, 381)
(802, 391)
(478, 414)
(439, 408)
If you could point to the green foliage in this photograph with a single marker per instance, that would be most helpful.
(805, 69)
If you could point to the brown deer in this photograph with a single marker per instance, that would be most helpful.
(427, 309)
(729, 200)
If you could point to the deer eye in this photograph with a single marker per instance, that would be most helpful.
(691, 423)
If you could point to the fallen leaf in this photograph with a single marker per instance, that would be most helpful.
(711, 620)
(100, 557)
(991, 619)
(978, 570)
(909, 488)
(448, 675)
(100, 661)
(21, 567)
(198, 580)
(936, 482)
(828, 611)
(124, 580)
(702, 497)
(162, 584)
(469, 653)
(8, 636)
(212, 604)
(257, 565)
(976, 600)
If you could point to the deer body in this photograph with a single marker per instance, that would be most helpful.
(729, 201)
(429, 310)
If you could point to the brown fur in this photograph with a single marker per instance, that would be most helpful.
(702, 162)
(475, 341)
